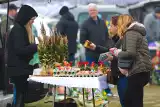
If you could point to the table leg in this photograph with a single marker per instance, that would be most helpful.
(93, 97)
(83, 98)
(54, 95)
(65, 94)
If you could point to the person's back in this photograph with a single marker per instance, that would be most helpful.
(71, 30)
(67, 26)
(135, 49)
(152, 25)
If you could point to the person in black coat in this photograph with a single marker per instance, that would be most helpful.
(95, 30)
(21, 48)
(69, 27)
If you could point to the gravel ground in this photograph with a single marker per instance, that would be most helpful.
(5, 99)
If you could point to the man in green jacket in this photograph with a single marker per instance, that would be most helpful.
(11, 16)
(12, 13)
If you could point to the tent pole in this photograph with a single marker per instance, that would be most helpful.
(7, 16)
(6, 79)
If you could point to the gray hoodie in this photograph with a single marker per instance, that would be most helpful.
(152, 26)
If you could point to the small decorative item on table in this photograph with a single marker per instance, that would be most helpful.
(50, 72)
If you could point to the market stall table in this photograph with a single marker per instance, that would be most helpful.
(78, 82)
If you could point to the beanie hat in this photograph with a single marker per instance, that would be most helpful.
(63, 10)
(157, 10)
(13, 7)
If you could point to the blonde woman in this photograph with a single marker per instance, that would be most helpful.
(21, 48)
(134, 41)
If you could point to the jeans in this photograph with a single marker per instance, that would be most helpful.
(14, 94)
(90, 60)
(71, 58)
(121, 88)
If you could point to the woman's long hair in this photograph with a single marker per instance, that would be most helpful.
(124, 21)
(29, 32)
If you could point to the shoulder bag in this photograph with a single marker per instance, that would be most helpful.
(125, 63)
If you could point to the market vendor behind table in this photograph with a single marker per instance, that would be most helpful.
(21, 48)
(94, 30)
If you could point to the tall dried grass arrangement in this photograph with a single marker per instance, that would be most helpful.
(52, 49)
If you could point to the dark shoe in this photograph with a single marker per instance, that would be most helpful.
(9, 105)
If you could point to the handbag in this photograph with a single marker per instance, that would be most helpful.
(125, 63)
(112, 79)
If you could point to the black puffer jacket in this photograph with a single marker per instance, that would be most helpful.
(20, 51)
(68, 26)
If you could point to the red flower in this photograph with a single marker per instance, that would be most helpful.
(59, 68)
(65, 63)
(86, 63)
(100, 63)
(80, 64)
(92, 64)
(70, 63)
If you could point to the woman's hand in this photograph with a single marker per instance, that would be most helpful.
(115, 51)
(124, 71)
(110, 57)
(92, 46)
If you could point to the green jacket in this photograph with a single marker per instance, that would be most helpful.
(137, 48)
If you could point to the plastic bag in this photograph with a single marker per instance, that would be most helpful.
(35, 59)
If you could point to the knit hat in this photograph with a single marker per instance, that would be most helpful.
(13, 7)
(63, 10)
(157, 10)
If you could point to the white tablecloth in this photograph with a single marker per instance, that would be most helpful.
(81, 82)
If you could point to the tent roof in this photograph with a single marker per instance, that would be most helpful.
(5, 1)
